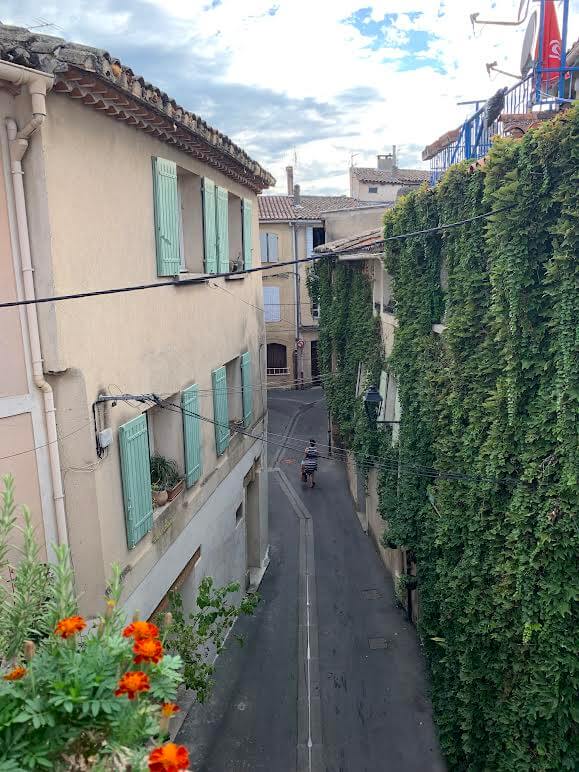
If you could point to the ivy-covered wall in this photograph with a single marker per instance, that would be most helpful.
(494, 400)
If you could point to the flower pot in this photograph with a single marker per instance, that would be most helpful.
(173, 492)
(160, 498)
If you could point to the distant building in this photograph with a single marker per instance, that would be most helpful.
(291, 226)
(121, 186)
(386, 182)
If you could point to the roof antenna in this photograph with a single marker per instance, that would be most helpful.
(352, 156)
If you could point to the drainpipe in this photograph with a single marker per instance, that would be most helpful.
(297, 291)
(38, 84)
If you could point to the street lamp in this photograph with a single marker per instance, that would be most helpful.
(372, 403)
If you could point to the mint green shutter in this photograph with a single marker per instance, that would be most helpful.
(222, 202)
(191, 434)
(167, 219)
(220, 409)
(209, 225)
(136, 472)
(247, 233)
(247, 389)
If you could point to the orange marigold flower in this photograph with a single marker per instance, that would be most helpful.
(168, 758)
(147, 650)
(169, 709)
(132, 683)
(70, 626)
(140, 630)
(15, 674)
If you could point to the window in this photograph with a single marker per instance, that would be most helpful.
(271, 304)
(277, 359)
(239, 514)
(235, 217)
(222, 217)
(269, 243)
(167, 229)
(190, 221)
(165, 435)
(319, 236)
(361, 379)
(315, 310)
(232, 399)
(372, 189)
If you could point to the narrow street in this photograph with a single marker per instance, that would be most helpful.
(330, 676)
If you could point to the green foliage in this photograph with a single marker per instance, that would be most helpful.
(350, 334)
(61, 712)
(495, 397)
(199, 636)
(164, 473)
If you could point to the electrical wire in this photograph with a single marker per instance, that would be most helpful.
(39, 447)
(266, 267)
(400, 468)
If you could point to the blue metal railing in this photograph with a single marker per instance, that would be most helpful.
(528, 95)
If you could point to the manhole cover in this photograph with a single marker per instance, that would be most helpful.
(371, 594)
(288, 461)
(377, 643)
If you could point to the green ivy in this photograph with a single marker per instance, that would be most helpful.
(494, 397)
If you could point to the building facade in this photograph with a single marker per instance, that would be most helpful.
(121, 187)
(291, 227)
(386, 182)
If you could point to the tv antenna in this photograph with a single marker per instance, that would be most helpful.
(521, 16)
(352, 156)
(43, 24)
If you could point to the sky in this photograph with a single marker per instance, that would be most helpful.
(313, 83)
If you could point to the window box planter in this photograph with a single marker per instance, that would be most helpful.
(173, 492)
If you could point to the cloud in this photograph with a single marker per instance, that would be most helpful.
(321, 79)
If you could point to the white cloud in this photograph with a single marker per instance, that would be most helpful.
(302, 50)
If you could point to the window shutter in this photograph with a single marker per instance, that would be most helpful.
(247, 389)
(247, 233)
(222, 202)
(136, 473)
(272, 247)
(209, 225)
(167, 226)
(220, 409)
(271, 304)
(309, 242)
(263, 246)
(191, 435)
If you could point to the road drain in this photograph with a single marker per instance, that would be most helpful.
(370, 594)
(377, 643)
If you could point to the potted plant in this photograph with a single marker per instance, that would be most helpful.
(165, 480)
(407, 581)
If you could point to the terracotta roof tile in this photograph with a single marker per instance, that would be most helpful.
(368, 241)
(394, 177)
(56, 56)
(310, 207)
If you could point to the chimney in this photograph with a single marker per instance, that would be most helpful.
(394, 160)
(385, 162)
(289, 170)
(297, 198)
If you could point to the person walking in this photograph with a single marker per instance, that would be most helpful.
(310, 463)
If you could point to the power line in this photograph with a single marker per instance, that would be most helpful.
(39, 447)
(266, 267)
(400, 468)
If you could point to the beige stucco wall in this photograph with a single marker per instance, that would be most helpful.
(13, 366)
(284, 331)
(93, 193)
(17, 438)
(359, 190)
(347, 223)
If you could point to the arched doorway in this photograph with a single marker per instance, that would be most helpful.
(276, 359)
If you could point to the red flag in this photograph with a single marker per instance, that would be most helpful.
(551, 53)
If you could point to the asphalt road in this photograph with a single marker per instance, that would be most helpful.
(331, 677)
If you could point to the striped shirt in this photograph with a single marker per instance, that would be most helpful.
(309, 464)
